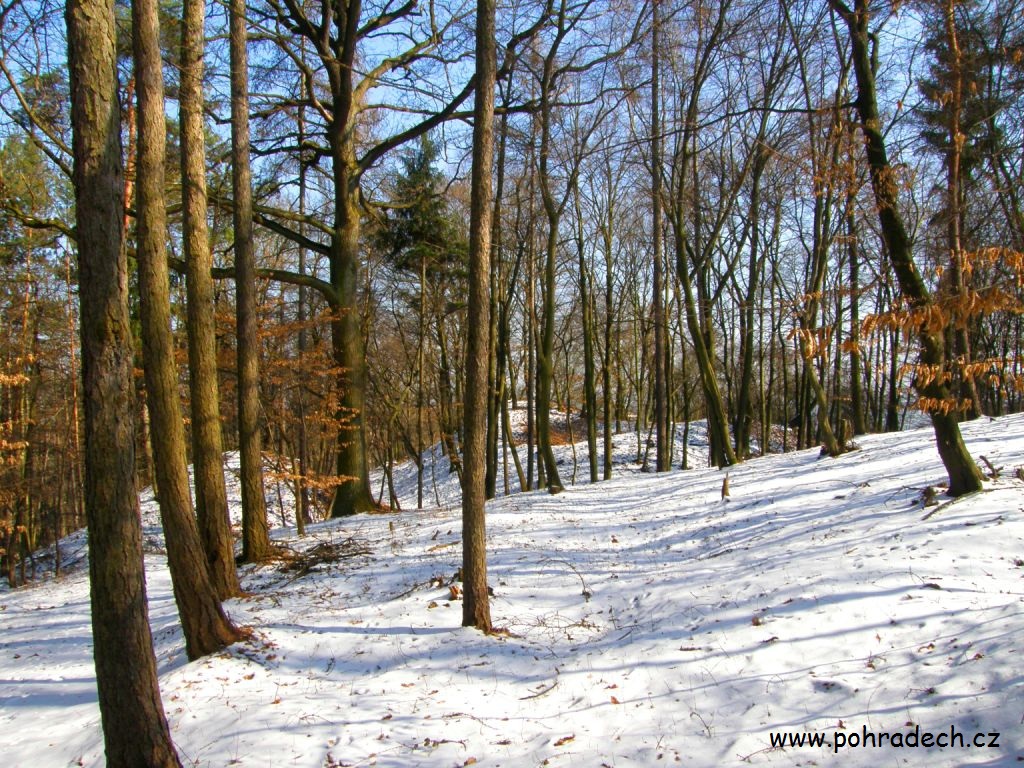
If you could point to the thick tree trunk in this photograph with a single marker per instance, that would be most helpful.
(134, 726)
(207, 446)
(546, 362)
(964, 475)
(353, 495)
(255, 530)
(302, 514)
(205, 626)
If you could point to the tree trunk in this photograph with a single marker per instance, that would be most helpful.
(546, 347)
(744, 400)
(964, 475)
(546, 362)
(134, 726)
(663, 458)
(255, 531)
(205, 626)
(207, 446)
(498, 326)
(353, 495)
(530, 333)
(968, 388)
(718, 429)
(610, 418)
(421, 343)
(856, 387)
(476, 610)
(302, 515)
(587, 321)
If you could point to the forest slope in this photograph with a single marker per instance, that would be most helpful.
(649, 621)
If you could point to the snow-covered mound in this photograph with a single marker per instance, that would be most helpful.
(649, 622)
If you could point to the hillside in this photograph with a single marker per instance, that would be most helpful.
(648, 622)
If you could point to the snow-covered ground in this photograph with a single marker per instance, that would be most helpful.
(648, 622)
(630, 454)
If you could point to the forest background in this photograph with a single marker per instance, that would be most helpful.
(271, 228)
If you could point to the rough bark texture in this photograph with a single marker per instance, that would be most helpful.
(255, 531)
(964, 475)
(134, 726)
(499, 329)
(205, 626)
(207, 446)
(353, 495)
(476, 610)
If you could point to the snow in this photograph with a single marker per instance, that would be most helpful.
(648, 622)
(441, 485)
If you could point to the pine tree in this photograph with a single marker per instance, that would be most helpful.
(134, 726)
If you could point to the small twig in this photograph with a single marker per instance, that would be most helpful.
(746, 758)
(587, 594)
(993, 472)
(542, 692)
(945, 504)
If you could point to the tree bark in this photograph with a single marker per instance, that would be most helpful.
(134, 726)
(607, 240)
(476, 605)
(353, 495)
(553, 211)
(500, 293)
(207, 445)
(255, 530)
(205, 626)
(718, 430)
